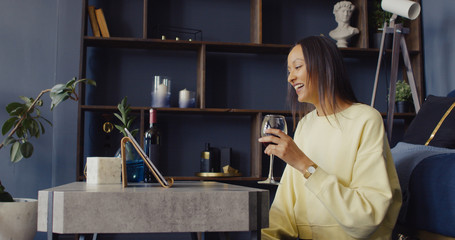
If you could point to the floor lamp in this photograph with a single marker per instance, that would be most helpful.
(410, 10)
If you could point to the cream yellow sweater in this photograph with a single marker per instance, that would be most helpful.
(354, 194)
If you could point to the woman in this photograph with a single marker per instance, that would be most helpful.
(340, 181)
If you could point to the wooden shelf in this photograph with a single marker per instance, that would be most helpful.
(255, 45)
(140, 43)
(99, 108)
(105, 108)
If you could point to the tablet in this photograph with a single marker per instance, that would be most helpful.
(146, 158)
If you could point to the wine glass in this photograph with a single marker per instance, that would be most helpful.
(277, 122)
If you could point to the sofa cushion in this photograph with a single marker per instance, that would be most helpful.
(433, 188)
(421, 127)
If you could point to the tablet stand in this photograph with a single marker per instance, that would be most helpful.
(124, 177)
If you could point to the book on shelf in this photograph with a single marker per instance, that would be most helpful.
(93, 21)
(102, 22)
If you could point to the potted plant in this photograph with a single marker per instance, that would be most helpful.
(376, 23)
(125, 119)
(26, 122)
(403, 96)
(134, 163)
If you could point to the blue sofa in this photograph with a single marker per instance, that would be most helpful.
(427, 172)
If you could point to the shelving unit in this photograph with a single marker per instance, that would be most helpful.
(203, 55)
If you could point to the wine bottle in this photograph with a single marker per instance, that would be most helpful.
(210, 159)
(152, 146)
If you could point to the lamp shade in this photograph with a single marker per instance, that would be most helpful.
(405, 8)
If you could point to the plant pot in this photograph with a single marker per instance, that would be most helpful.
(403, 107)
(388, 41)
(18, 220)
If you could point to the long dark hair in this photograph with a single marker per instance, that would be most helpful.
(325, 67)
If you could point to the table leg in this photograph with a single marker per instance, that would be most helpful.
(255, 235)
(50, 216)
(52, 236)
(224, 236)
(194, 236)
(87, 236)
(198, 236)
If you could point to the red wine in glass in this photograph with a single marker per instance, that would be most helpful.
(276, 122)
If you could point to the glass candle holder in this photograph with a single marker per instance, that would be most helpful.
(161, 92)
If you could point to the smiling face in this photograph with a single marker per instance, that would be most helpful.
(306, 90)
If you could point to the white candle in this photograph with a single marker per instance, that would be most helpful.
(184, 98)
(162, 90)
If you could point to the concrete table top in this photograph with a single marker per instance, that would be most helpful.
(148, 208)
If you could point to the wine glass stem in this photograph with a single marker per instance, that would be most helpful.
(271, 167)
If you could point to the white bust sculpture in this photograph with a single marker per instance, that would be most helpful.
(343, 11)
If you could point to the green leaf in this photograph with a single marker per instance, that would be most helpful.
(120, 129)
(127, 121)
(12, 107)
(42, 128)
(15, 153)
(50, 123)
(9, 124)
(59, 88)
(124, 101)
(87, 81)
(39, 103)
(28, 101)
(71, 83)
(127, 111)
(26, 149)
(5, 197)
(118, 116)
(134, 132)
(9, 140)
(38, 112)
(21, 132)
(16, 109)
(91, 82)
(121, 109)
(130, 122)
(34, 129)
(26, 123)
(57, 99)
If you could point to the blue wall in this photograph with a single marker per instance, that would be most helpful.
(439, 46)
(40, 42)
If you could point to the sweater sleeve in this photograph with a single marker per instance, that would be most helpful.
(360, 206)
(281, 215)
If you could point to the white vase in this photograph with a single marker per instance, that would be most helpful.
(18, 220)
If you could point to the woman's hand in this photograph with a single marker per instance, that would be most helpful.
(285, 148)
